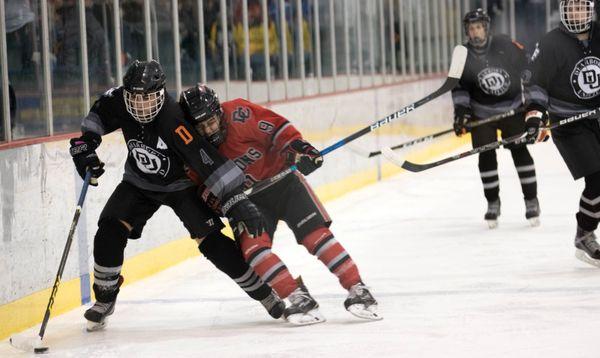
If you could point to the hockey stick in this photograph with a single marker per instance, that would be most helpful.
(430, 137)
(517, 139)
(459, 57)
(36, 345)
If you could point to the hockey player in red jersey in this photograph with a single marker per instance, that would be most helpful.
(263, 143)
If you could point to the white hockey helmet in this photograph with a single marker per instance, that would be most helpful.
(577, 15)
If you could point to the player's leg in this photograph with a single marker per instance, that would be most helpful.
(309, 220)
(257, 252)
(488, 171)
(588, 216)
(579, 145)
(525, 167)
(127, 207)
(220, 250)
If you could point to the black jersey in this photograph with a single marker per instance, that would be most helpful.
(159, 150)
(491, 80)
(566, 74)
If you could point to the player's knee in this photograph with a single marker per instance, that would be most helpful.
(223, 252)
(521, 155)
(110, 239)
(216, 247)
(251, 245)
(317, 239)
(487, 160)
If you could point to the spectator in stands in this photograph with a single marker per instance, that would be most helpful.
(68, 45)
(256, 48)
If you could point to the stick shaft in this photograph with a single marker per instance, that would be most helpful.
(65, 254)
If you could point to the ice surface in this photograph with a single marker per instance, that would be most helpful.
(447, 285)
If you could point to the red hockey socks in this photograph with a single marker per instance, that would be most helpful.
(257, 252)
(329, 251)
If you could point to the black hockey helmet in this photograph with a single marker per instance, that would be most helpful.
(474, 16)
(577, 15)
(200, 104)
(144, 90)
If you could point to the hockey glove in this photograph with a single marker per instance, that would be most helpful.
(83, 151)
(304, 156)
(243, 215)
(533, 127)
(460, 123)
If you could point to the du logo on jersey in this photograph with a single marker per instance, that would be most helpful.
(494, 81)
(148, 160)
(585, 78)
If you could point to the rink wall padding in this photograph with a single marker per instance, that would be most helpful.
(39, 189)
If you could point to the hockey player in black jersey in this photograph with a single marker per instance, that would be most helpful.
(159, 142)
(566, 82)
(491, 85)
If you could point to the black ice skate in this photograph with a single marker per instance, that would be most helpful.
(303, 310)
(360, 302)
(105, 306)
(493, 211)
(588, 249)
(532, 211)
(274, 305)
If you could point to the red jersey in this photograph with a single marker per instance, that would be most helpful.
(257, 139)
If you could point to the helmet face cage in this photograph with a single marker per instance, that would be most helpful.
(143, 107)
(577, 15)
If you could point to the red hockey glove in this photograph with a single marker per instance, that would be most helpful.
(305, 156)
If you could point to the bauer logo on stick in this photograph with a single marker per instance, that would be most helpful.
(585, 78)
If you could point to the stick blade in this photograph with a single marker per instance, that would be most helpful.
(28, 344)
(413, 167)
(389, 154)
(459, 58)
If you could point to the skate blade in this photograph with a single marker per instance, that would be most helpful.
(369, 313)
(305, 319)
(534, 222)
(584, 257)
(492, 224)
(95, 326)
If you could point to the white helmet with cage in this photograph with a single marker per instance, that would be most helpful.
(577, 15)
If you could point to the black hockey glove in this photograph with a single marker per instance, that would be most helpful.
(243, 215)
(533, 127)
(306, 158)
(83, 151)
(460, 123)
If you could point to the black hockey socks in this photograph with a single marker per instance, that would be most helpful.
(109, 245)
(589, 204)
(227, 257)
(526, 170)
(110, 242)
(488, 169)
